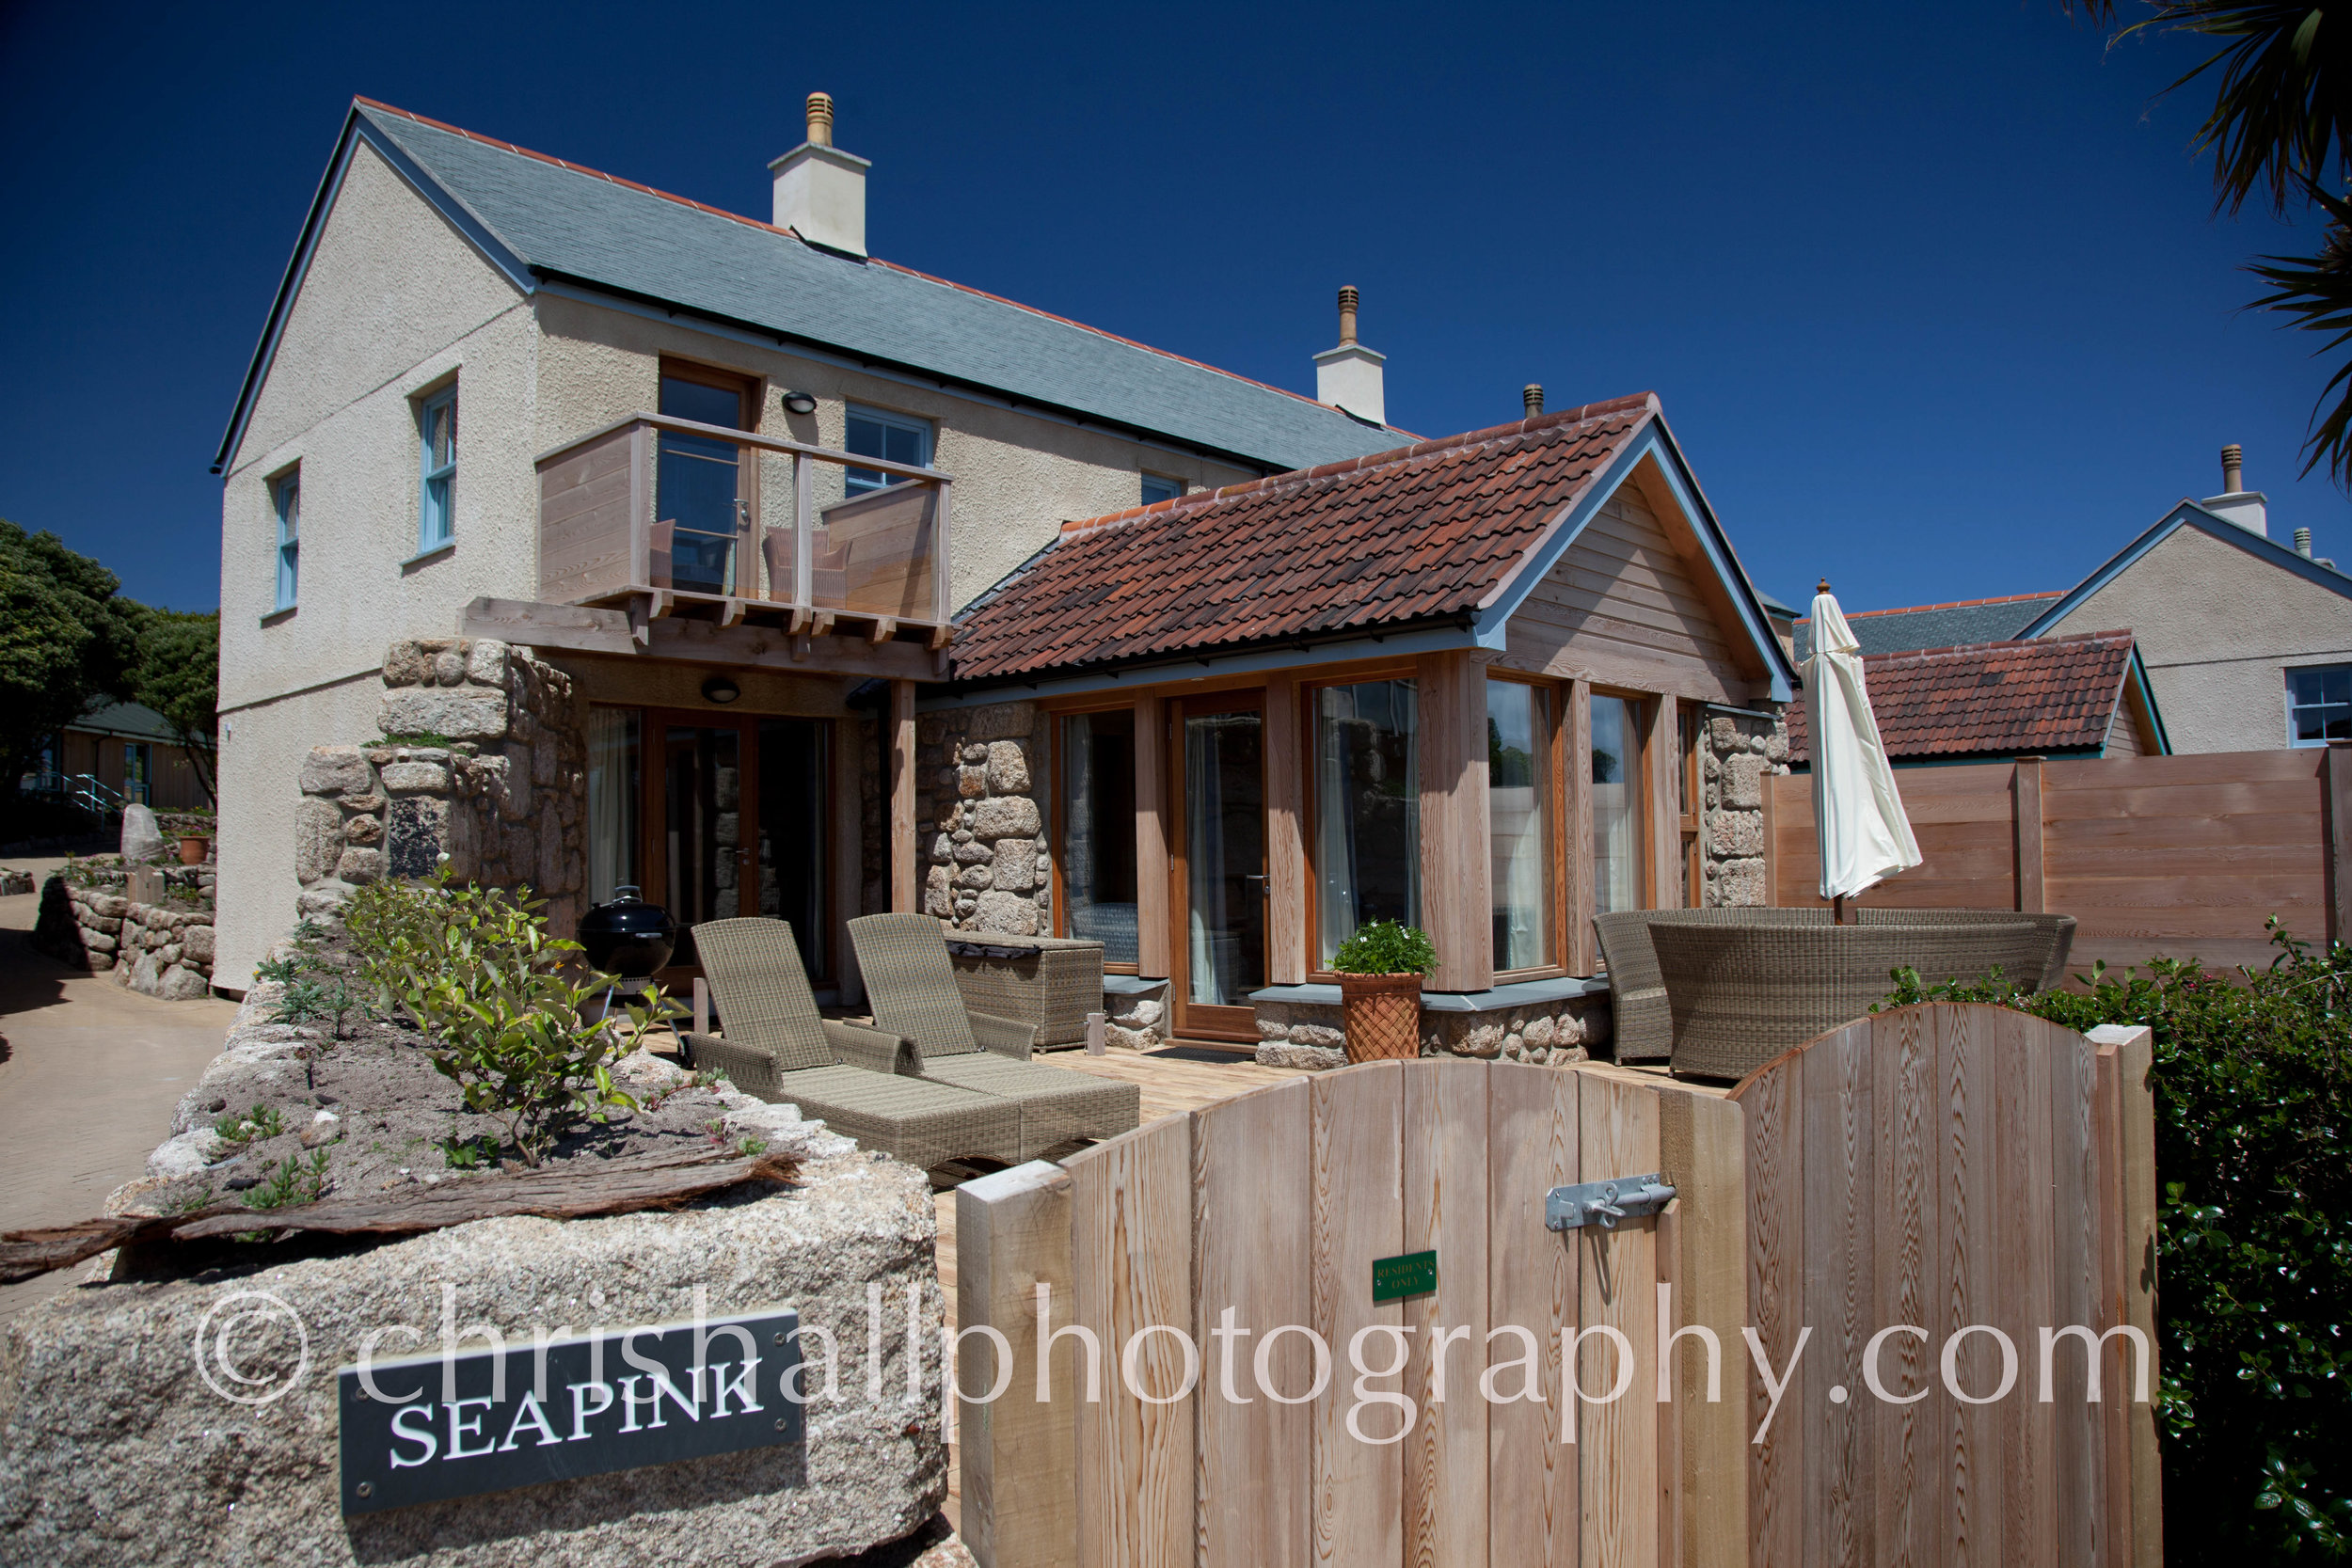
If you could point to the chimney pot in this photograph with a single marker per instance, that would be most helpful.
(1532, 396)
(1347, 313)
(2232, 469)
(2303, 542)
(821, 118)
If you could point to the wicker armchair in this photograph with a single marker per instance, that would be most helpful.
(779, 1048)
(913, 989)
(1740, 994)
(1642, 1024)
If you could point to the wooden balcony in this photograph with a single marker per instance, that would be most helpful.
(665, 536)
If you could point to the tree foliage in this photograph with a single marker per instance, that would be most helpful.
(66, 643)
(2280, 126)
(175, 670)
(2252, 1081)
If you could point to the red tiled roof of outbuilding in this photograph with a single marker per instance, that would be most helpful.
(2002, 699)
(1412, 534)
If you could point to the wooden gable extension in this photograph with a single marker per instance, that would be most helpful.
(1632, 603)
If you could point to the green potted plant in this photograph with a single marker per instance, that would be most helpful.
(1380, 970)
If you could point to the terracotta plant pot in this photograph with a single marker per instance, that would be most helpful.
(1381, 1015)
(192, 849)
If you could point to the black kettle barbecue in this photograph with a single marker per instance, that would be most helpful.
(627, 936)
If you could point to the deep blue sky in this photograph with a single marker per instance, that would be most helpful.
(1933, 295)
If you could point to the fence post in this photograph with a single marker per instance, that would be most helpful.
(2335, 778)
(2132, 1050)
(2026, 805)
(1019, 1456)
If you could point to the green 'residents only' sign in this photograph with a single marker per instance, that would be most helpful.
(1413, 1275)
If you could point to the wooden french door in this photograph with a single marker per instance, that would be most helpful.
(736, 822)
(1219, 892)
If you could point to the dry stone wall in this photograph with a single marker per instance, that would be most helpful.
(484, 759)
(979, 807)
(163, 949)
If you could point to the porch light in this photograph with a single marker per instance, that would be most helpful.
(718, 689)
(799, 403)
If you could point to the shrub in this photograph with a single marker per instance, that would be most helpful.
(2252, 1082)
(1386, 947)
(500, 1000)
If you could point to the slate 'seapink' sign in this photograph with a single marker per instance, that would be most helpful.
(603, 1403)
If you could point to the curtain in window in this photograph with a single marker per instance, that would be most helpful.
(611, 801)
(1616, 785)
(1519, 732)
(1204, 857)
(1098, 858)
(1367, 808)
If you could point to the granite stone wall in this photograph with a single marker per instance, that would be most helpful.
(483, 758)
(160, 944)
(1739, 753)
(980, 810)
(1553, 1034)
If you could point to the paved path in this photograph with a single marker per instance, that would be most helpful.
(88, 1075)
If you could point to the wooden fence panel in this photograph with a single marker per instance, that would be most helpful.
(1355, 1128)
(2155, 856)
(1616, 1442)
(1532, 1282)
(1446, 1213)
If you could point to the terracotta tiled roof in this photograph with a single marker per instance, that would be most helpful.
(1413, 534)
(2049, 694)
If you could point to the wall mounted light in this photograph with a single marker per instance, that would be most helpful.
(718, 689)
(799, 403)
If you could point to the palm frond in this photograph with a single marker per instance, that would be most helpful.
(2316, 290)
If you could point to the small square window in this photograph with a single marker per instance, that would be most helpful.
(2319, 705)
(437, 429)
(286, 499)
(1159, 487)
(891, 438)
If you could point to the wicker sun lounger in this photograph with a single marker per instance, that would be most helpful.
(912, 987)
(779, 1048)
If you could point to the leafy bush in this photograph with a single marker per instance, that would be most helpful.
(500, 1000)
(1386, 947)
(2252, 1081)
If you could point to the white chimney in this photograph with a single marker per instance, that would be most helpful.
(820, 190)
(1349, 376)
(2248, 509)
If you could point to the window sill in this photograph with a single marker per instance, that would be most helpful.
(425, 558)
(283, 612)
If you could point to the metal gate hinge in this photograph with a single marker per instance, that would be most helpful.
(1604, 1203)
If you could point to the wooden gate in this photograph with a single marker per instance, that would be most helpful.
(1939, 1166)
(1945, 1168)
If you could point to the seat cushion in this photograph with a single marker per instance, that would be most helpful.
(1056, 1104)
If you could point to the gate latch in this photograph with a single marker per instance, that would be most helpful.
(1604, 1203)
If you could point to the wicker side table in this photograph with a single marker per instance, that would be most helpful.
(1050, 982)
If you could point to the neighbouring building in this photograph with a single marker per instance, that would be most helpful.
(121, 753)
(2247, 642)
(718, 473)
(2077, 696)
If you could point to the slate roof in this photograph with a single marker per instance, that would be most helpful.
(1419, 533)
(2041, 697)
(1936, 625)
(563, 221)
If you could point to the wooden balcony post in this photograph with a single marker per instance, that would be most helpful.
(903, 878)
(939, 554)
(1455, 874)
(803, 527)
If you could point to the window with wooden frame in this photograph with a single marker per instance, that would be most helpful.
(1095, 887)
(1363, 801)
(1689, 724)
(704, 493)
(1620, 794)
(1522, 823)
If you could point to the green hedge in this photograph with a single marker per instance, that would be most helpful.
(2252, 1081)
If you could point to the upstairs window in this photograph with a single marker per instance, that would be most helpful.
(2319, 704)
(286, 499)
(437, 426)
(892, 438)
(1159, 487)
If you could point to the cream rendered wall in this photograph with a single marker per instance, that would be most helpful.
(2218, 628)
(1018, 477)
(395, 303)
